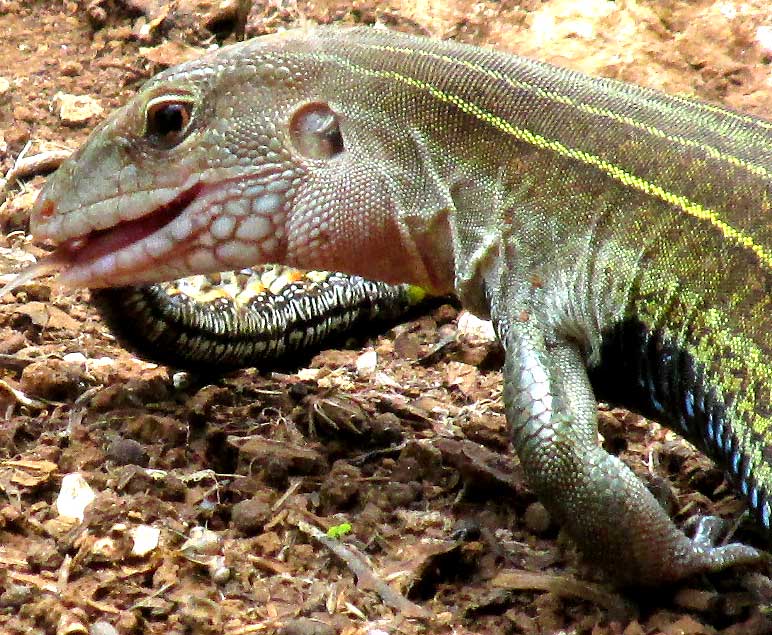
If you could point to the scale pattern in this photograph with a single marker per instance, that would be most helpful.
(268, 316)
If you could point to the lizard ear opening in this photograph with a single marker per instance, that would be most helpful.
(315, 131)
(167, 119)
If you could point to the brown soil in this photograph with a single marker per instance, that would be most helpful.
(411, 452)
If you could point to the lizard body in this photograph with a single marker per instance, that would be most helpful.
(619, 238)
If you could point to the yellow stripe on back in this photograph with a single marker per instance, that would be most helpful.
(558, 98)
(692, 208)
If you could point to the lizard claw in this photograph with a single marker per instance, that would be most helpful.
(709, 556)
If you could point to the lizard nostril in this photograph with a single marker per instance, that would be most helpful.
(47, 210)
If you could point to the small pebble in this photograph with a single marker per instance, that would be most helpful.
(306, 626)
(71, 68)
(202, 541)
(15, 596)
(537, 518)
(102, 628)
(366, 363)
(249, 516)
(473, 326)
(5, 88)
(127, 452)
(53, 379)
(763, 38)
(145, 539)
(75, 494)
(76, 110)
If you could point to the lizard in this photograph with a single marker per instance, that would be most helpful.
(617, 237)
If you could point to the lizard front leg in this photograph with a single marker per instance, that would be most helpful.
(606, 509)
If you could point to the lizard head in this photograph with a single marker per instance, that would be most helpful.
(266, 151)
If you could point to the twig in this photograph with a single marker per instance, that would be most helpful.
(564, 586)
(365, 575)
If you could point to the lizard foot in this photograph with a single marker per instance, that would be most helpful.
(707, 532)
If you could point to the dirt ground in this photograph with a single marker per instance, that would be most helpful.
(373, 492)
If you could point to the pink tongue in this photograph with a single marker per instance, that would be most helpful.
(107, 241)
(98, 244)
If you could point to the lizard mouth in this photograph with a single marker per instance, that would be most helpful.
(98, 243)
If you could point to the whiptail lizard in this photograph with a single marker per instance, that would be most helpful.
(619, 239)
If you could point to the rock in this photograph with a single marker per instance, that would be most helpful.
(341, 487)
(259, 453)
(306, 626)
(537, 518)
(70, 68)
(102, 628)
(5, 89)
(75, 495)
(171, 53)
(366, 363)
(76, 110)
(15, 596)
(127, 452)
(249, 516)
(145, 539)
(53, 379)
(44, 556)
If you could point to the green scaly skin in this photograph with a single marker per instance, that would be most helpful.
(619, 238)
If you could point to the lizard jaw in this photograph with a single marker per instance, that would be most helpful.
(88, 248)
(203, 225)
(90, 260)
(204, 228)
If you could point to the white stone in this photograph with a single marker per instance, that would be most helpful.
(145, 538)
(75, 495)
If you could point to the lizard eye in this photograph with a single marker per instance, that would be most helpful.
(315, 131)
(167, 119)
